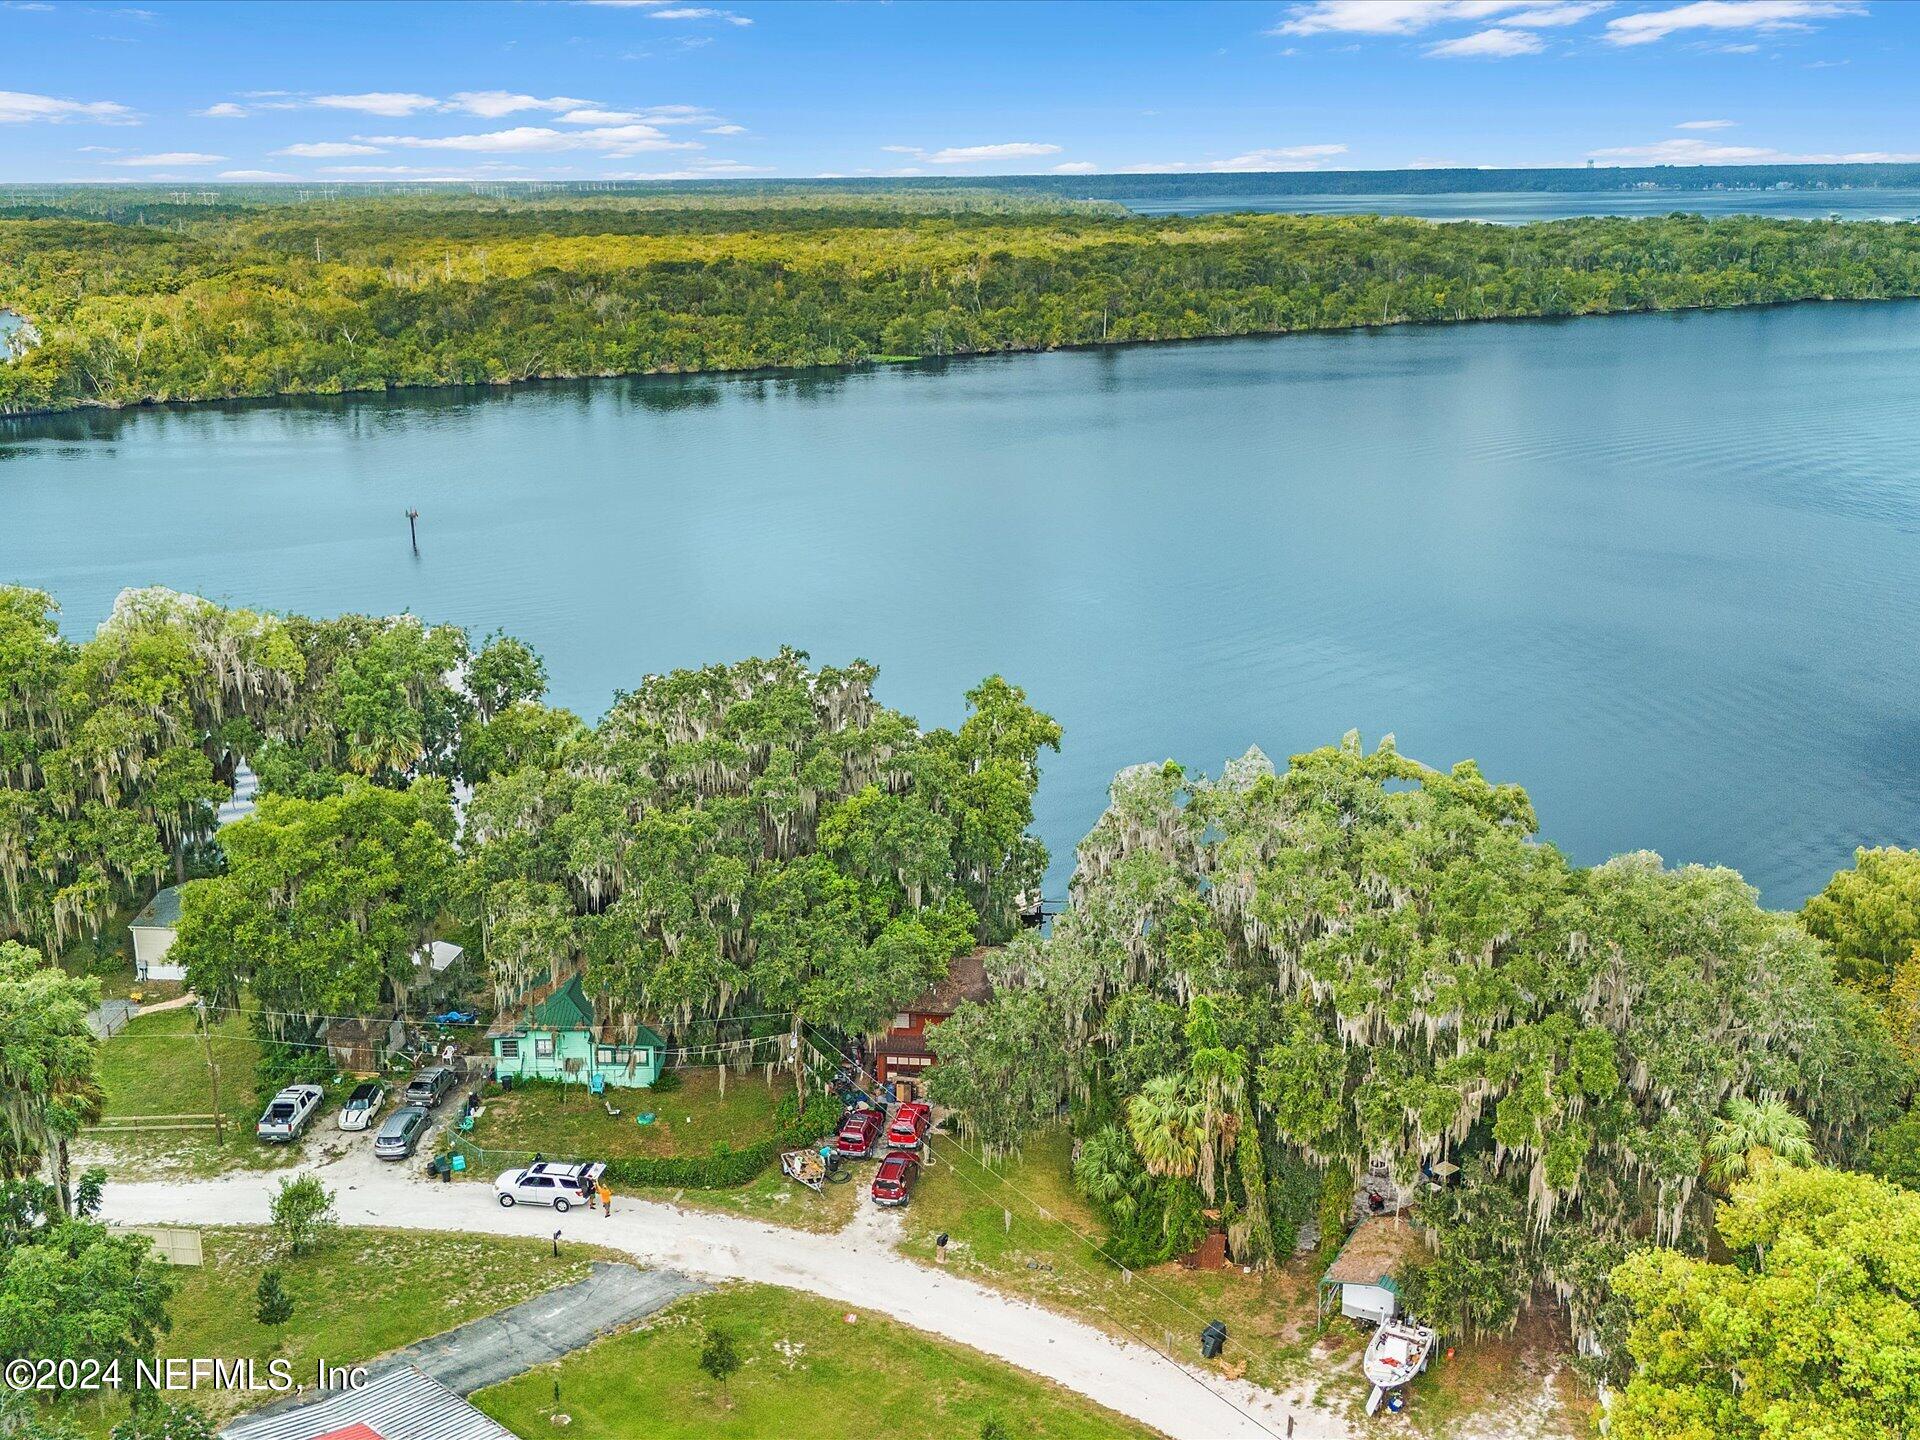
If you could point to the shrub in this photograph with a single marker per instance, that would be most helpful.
(726, 1167)
(302, 1214)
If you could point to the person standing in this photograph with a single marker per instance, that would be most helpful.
(606, 1199)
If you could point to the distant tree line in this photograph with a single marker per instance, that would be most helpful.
(374, 293)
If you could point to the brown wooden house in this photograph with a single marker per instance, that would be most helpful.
(904, 1052)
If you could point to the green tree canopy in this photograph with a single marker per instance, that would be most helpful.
(764, 835)
(49, 1063)
(1813, 1329)
(324, 902)
(1870, 915)
(1360, 961)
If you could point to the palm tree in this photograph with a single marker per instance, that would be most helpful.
(1167, 1126)
(1751, 1135)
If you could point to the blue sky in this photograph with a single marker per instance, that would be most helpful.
(677, 88)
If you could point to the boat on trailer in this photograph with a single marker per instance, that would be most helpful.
(1398, 1351)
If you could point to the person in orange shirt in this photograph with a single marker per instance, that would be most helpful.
(606, 1199)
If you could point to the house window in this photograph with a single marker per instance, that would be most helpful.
(642, 1056)
(543, 1047)
(509, 1049)
(603, 1054)
(903, 1022)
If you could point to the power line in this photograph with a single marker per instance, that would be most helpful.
(832, 1051)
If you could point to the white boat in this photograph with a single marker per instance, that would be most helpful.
(1398, 1351)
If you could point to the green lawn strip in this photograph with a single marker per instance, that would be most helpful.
(806, 1372)
(157, 1067)
(1270, 1318)
(689, 1120)
(363, 1293)
(570, 1124)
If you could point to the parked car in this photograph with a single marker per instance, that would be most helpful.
(860, 1133)
(894, 1180)
(430, 1086)
(288, 1112)
(912, 1123)
(368, 1099)
(401, 1133)
(546, 1183)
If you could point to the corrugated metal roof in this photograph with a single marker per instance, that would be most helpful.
(403, 1403)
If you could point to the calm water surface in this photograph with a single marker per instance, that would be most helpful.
(1509, 208)
(1662, 570)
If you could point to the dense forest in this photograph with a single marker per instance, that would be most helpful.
(761, 837)
(185, 299)
(1626, 1089)
(1275, 984)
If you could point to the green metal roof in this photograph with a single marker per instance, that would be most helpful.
(565, 1009)
(160, 913)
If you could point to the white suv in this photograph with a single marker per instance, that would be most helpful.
(547, 1183)
(288, 1112)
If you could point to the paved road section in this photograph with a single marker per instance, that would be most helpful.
(498, 1347)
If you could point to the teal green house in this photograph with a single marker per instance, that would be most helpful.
(551, 1034)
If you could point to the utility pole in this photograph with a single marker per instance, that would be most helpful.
(213, 1072)
(413, 532)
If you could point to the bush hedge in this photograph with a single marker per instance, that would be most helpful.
(726, 1167)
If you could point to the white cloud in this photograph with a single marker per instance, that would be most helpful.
(1643, 27)
(1706, 152)
(328, 150)
(1077, 167)
(171, 157)
(225, 110)
(614, 140)
(1704, 125)
(725, 130)
(1410, 17)
(1570, 12)
(17, 107)
(696, 12)
(1495, 44)
(492, 104)
(392, 104)
(255, 175)
(975, 154)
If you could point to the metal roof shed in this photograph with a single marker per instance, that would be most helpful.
(403, 1403)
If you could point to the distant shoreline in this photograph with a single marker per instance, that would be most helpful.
(920, 362)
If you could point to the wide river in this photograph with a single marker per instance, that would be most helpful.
(1664, 571)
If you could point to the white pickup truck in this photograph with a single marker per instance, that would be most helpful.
(288, 1112)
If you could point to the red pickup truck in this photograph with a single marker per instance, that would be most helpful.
(860, 1133)
(893, 1182)
(912, 1123)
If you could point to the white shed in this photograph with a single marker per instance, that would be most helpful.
(153, 931)
(1365, 1272)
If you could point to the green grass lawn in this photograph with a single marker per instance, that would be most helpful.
(156, 1067)
(569, 1123)
(688, 1120)
(807, 1373)
(365, 1292)
(1270, 1318)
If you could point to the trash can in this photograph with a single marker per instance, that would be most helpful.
(1212, 1340)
